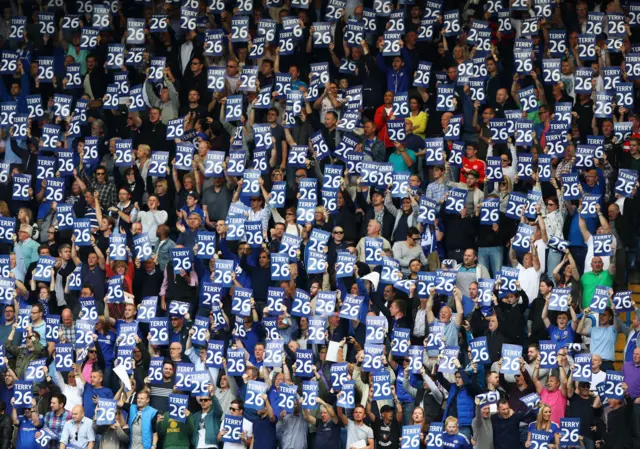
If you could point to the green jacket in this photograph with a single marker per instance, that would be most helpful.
(23, 357)
(211, 424)
(175, 433)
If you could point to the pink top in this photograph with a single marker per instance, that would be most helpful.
(557, 401)
(88, 368)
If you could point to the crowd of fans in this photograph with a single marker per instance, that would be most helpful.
(319, 224)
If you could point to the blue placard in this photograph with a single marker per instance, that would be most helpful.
(106, 411)
(241, 303)
(215, 354)
(569, 432)
(416, 355)
(522, 239)
(445, 281)
(373, 251)
(232, 428)
(253, 397)
(183, 376)
(410, 436)
(44, 269)
(235, 362)
(511, 359)
(287, 398)
(64, 357)
(159, 331)
(400, 342)
(301, 304)
(373, 356)
(559, 299)
(351, 306)
(22, 394)
(178, 406)
(182, 260)
(309, 395)
(548, 354)
(317, 331)
(479, 350)
(346, 397)
(600, 299)
(602, 245)
(582, 372)
(325, 303)
(434, 437)
(455, 201)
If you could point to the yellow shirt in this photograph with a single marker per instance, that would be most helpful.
(420, 122)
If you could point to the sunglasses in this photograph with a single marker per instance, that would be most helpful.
(205, 400)
(234, 409)
(92, 351)
(338, 232)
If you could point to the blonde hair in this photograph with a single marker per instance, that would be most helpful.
(539, 419)
(146, 148)
(164, 183)
(27, 212)
(325, 216)
(451, 419)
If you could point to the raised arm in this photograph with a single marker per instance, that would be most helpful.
(534, 376)
(545, 313)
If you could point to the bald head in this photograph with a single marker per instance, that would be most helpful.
(77, 413)
(445, 314)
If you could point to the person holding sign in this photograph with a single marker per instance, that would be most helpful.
(554, 393)
(544, 423)
(374, 227)
(327, 427)
(608, 263)
(115, 436)
(603, 336)
(57, 417)
(461, 398)
(176, 434)
(208, 419)
(451, 326)
(359, 435)
(246, 437)
(584, 404)
(142, 421)
(33, 349)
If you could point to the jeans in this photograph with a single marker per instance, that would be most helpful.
(466, 431)
(407, 411)
(523, 436)
(491, 257)
(579, 253)
(635, 425)
(588, 443)
(553, 259)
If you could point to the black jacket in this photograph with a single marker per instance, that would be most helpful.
(511, 319)
(388, 219)
(6, 431)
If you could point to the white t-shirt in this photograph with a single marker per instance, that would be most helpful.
(541, 248)
(529, 281)
(597, 379)
(358, 433)
(606, 260)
